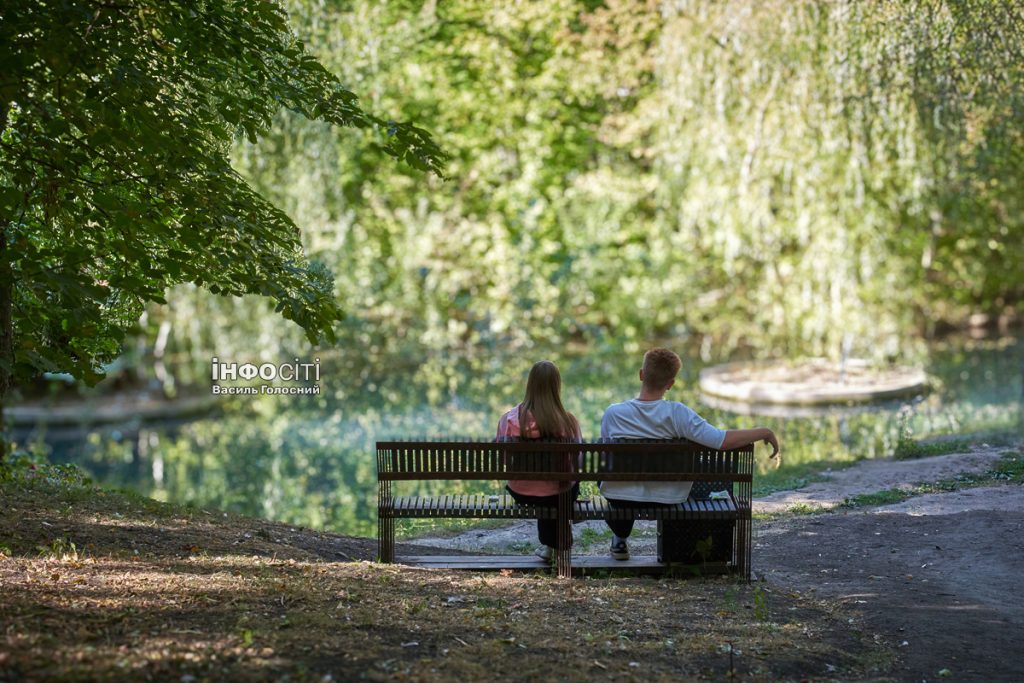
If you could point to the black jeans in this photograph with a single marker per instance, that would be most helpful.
(547, 529)
(624, 527)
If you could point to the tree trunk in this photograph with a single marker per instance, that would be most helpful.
(6, 335)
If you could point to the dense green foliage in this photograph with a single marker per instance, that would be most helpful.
(762, 174)
(115, 174)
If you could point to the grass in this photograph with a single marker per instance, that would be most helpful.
(887, 497)
(1010, 468)
(589, 538)
(796, 510)
(805, 476)
(103, 586)
(908, 448)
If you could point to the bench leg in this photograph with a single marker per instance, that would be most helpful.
(744, 538)
(385, 524)
(564, 551)
(386, 539)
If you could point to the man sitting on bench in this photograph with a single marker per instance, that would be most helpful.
(649, 417)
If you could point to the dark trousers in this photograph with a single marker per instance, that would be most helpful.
(624, 527)
(547, 529)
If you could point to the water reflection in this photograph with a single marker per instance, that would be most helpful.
(309, 460)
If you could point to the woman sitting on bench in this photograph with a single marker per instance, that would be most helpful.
(541, 416)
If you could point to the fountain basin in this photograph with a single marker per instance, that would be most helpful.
(816, 381)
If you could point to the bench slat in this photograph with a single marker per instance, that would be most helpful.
(480, 505)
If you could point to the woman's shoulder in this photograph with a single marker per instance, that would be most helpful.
(508, 423)
(512, 414)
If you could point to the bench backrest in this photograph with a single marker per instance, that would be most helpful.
(607, 460)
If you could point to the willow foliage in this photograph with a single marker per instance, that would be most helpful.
(845, 167)
(775, 175)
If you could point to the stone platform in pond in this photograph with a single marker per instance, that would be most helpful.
(810, 382)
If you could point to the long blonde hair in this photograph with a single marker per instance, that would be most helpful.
(544, 402)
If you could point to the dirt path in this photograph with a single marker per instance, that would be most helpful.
(941, 584)
(938, 577)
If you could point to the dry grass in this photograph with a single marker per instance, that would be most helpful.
(101, 586)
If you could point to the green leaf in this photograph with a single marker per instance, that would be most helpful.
(10, 197)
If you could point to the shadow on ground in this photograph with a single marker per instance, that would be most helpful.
(943, 589)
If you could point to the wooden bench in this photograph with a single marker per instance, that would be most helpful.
(618, 460)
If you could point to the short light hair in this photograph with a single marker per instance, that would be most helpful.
(660, 367)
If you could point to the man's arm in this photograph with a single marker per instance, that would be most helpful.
(736, 438)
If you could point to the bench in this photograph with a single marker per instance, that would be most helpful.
(698, 518)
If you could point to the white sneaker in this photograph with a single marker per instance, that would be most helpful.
(544, 552)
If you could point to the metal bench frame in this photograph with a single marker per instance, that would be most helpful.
(544, 460)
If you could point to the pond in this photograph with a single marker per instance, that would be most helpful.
(309, 460)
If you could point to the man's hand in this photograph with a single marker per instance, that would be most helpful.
(737, 438)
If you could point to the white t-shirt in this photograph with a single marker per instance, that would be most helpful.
(636, 419)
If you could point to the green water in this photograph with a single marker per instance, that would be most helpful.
(309, 460)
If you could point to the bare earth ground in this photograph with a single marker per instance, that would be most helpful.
(939, 574)
(938, 577)
(96, 585)
(99, 586)
(945, 589)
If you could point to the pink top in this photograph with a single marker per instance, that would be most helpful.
(508, 426)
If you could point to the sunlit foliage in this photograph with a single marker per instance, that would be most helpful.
(771, 175)
(116, 123)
